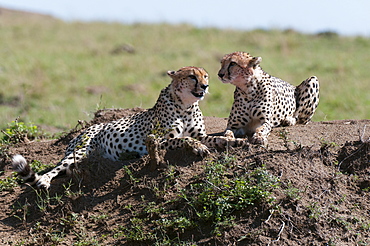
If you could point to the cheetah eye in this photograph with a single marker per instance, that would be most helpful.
(232, 64)
(193, 77)
(206, 76)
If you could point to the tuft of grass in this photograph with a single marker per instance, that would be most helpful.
(213, 198)
(8, 183)
(17, 132)
(292, 192)
(38, 166)
(218, 195)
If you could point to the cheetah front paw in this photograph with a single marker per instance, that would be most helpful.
(239, 142)
(229, 135)
(43, 183)
(232, 141)
(199, 149)
(259, 140)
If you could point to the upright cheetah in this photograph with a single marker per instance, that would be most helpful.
(262, 101)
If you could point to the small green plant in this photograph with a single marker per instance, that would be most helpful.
(217, 196)
(341, 200)
(214, 197)
(99, 218)
(70, 193)
(342, 222)
(23, 212)
(38, 166)
(130, 175)
(155, 223)
(367, 189)
(41, 234)
(178, 223)
(69, 221)
(84, 240)
(9, 183)
(99, 105)
(136, 232)
(365, 226)
(19, 132)
(152, 209)
(314, 211)
(283, 135)
(43, 200)
(292, 192)
(171, 173)
(326, 144)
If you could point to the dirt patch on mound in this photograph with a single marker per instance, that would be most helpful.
(310, 186)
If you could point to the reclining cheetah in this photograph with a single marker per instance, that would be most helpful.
(176, 110)
(262, 101)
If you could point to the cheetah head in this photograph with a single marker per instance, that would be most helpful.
(239, 68)
(190, 84)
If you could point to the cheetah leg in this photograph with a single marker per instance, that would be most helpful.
(63, 167)
(76, 151)
(307, 99)
(25, 171)
(156, 155)
(289, 121)
(228, 140)
(261, 134)
(172, 143)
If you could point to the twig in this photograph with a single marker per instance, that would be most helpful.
(271, 213)
(218, 188)
(323, 193)
(363, 143)
(280, 231)
(5, 133)
(340, 163)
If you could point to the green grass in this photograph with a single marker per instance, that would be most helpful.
(212, 199)
(53, 73)
(19, 131)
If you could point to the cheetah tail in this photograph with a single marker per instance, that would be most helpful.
(24, 170)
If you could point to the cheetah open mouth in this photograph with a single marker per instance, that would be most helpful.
(198, 95)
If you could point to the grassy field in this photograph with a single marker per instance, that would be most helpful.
(53, 73)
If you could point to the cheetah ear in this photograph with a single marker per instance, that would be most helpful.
(255, 61)
(171, 73)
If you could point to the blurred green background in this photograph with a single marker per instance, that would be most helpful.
(54, 73)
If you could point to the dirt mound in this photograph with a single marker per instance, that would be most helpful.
(310, 186)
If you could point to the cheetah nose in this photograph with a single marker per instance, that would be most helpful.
(204, 87)
(221, 75)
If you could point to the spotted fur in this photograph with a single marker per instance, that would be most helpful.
(262, 101)
(176, 114)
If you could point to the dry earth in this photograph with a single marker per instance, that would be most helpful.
(322, 197)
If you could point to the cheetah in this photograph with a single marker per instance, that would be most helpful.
(176, 110)
(262, 101)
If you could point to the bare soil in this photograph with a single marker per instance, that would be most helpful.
(322, 198)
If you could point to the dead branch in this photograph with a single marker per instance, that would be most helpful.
(280, 231)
